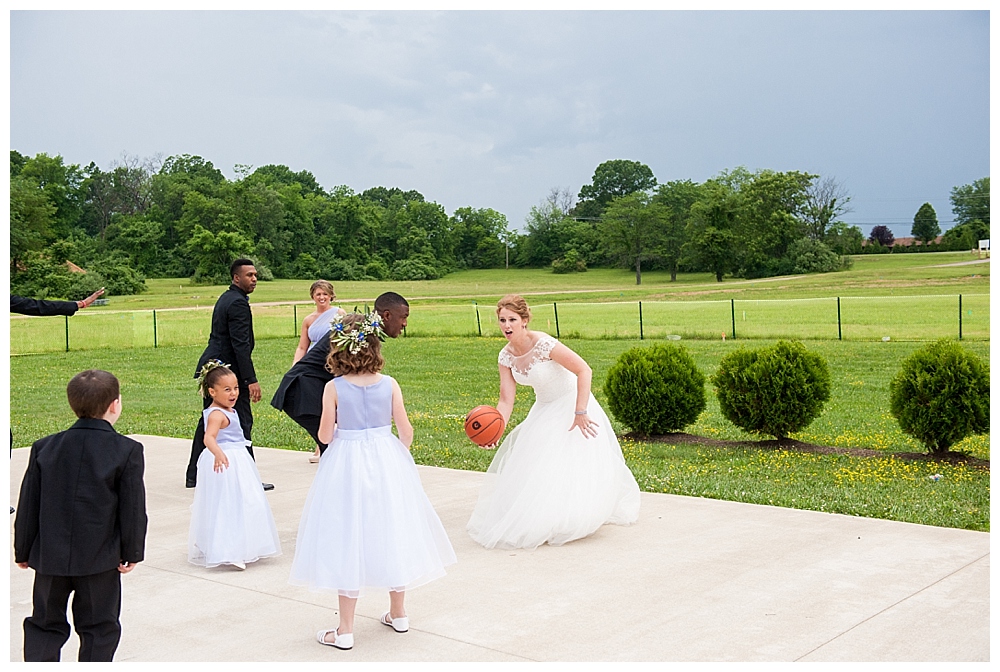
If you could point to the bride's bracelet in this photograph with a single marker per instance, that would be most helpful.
(579, 412)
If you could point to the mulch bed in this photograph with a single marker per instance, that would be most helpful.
(675, 438)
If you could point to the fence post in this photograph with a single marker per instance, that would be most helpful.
(840, 333)
(640, 321)
(479, 325)
(960, 317)
(295, 319)
(732, 305)
(154, 328)
(66, 318)
(556, 311)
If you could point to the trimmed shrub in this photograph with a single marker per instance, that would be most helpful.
(941, 395)
(341, 269)
(116, 275)
(811, 256)
(419, 267)
(655, 390)
(377, 269)
(774, 390)
(570, 263)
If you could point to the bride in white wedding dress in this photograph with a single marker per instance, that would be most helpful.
(560, 474)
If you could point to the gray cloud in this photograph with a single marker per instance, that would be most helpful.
(491, 109)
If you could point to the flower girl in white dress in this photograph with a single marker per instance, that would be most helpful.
(367, 521)
(560, 474)
(231, 521)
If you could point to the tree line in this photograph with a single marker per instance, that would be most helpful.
(181, 217)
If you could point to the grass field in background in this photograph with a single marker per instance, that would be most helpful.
(902, 297)
(442, 378)
(872, 275)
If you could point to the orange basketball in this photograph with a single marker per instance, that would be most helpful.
(484, 425)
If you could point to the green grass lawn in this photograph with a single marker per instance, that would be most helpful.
(443, 377)
(872, 275)
(902, 297)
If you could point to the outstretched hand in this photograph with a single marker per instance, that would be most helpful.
(587, 426)
(90, 299)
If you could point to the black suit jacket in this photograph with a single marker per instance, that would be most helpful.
(82, 507)
(231, 340)
(39, 308)
(308, 376)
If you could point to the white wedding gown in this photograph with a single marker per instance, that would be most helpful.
(547, 484)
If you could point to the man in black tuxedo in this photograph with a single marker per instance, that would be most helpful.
(300, 395)
(81, 524)
(231, 342)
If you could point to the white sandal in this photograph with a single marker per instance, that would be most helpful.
(342, 642)
(401, 624)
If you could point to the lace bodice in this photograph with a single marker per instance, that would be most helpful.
(549, 379)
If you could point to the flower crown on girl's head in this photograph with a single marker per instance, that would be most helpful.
(357, 336)
(203, 373)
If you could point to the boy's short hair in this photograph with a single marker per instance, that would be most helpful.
(91, 393)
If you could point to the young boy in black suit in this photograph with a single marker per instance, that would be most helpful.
(81, 524)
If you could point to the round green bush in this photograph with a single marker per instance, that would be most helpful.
(941, 395)
(774, 390)
(655, 390)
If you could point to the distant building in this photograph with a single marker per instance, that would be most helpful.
(904, 241)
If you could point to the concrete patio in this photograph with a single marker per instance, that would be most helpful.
(694, 580)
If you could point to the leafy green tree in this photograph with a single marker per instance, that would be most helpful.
(213, 253)
(677, 197)
(350, 228)
(925, 224)
(140, 239)
(545, 240)
(17, 161)
(770, 218)
(178, 176)
(965, 236)
(970, 202)
(127, 189)
(32, 218)
(385, 197)
(632, 229)
(60, 183)
(711, 236)
(613, 179)
(478, 236)
(844, 239)
(284, 176)
(306, 267)
(807, 255)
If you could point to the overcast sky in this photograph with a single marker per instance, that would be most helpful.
(493, 109)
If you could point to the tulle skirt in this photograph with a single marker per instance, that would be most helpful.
(231, 520)
(550, 485)
(367, 522)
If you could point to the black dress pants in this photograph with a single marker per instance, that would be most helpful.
(242, 409)
(306, 421)
(97, 604)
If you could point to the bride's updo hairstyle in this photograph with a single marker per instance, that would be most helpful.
(369, 359)
(515, 304)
